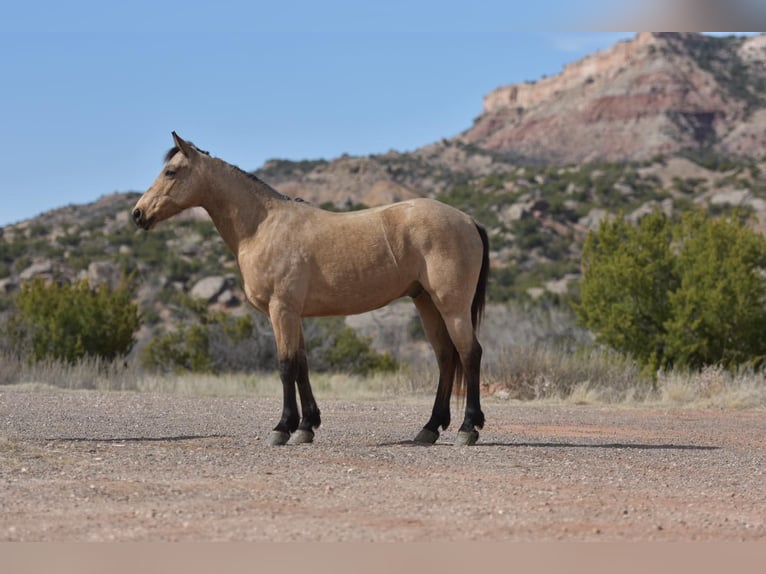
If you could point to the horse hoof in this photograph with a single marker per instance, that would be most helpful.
(302, 436)
(278, 438)
(467, 438)
(426, 436)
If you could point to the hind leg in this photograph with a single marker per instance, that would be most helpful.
(474, 417)
(463, 336)
(438, 337)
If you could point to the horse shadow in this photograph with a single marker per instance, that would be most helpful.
(412, 444)
(565, 444)
(139, 439)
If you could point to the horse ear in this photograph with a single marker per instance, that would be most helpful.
(185, 147)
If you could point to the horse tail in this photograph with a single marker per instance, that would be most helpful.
(480, 296)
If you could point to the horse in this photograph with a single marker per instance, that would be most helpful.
(297, 260)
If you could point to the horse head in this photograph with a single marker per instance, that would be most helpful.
(178, 187)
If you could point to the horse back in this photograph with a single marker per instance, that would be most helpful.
(325, 263)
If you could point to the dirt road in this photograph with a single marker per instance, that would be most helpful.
(86, 465)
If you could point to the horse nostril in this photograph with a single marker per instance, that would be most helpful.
(136, 215)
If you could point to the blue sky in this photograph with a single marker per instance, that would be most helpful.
(89, 91)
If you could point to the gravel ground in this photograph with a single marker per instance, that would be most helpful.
(91, 466)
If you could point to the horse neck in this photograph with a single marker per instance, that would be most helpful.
(236, 203)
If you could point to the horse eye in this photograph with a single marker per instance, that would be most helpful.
(170, 173)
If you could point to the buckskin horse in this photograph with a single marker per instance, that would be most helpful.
(297, 260)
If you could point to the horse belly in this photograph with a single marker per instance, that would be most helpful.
(348, 287)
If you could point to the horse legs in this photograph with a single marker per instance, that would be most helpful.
(310, 411)
(463, 336)
(288, 370)
(474, 417)
(446, 357)
(292, 369)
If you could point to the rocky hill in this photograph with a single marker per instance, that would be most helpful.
(657, 94)
(665, 121)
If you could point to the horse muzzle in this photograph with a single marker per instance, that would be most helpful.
(140, 219)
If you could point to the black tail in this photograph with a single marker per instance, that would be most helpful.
(480, 297)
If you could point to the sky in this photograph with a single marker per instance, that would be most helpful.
(90, 91)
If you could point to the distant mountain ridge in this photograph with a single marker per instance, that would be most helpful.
(660, 93)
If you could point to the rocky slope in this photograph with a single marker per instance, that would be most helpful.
(689, 107)
(661, 93)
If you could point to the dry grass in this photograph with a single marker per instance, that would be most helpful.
(597, 376)
(591, 376)
(544, 372)
(94, 374)
(325, 385)
(85, 374)
(713, 387)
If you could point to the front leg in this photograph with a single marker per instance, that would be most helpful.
(310, 415)
(288, 370)
(287, 333)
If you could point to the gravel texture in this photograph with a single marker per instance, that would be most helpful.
(91, 466)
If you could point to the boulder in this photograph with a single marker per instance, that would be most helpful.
(41, 267)
(103, 272)
(210, 288)
(731, 197)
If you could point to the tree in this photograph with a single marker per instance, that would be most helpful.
(628, 276)
(71, 321)
(688, 293)
(719, 316)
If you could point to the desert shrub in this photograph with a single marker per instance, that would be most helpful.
(219, 342)
(683, 294)
(213, 342)
(503, 283)
(334, 346)
(71, 321)
(185, 349)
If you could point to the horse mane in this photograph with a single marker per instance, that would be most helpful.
(250, 175)
(174, 150)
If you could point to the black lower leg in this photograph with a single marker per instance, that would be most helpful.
(438, 419)
(474, 417)
(288, 370)
(311, 416)
(440, 415)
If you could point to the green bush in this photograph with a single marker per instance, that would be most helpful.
(676, 294)
(219, 342)
(183, 350)
(334, 346)
(213, 342)
(719, 311)
(70, 321)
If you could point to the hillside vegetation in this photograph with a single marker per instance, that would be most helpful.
(537, 216)
(537, 208)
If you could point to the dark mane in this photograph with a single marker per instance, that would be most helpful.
(255, 178)
(174, 150)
